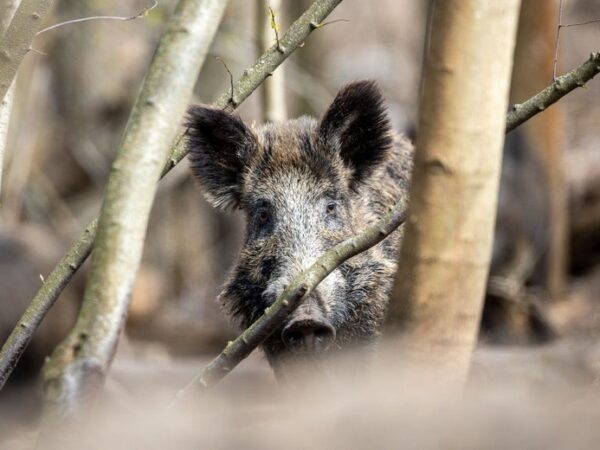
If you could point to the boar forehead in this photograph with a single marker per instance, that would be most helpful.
(290, 160)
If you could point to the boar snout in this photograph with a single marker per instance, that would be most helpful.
(308, 332)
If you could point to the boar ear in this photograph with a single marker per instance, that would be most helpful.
(357, 127)
(219, 146)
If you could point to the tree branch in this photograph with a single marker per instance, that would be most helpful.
(16, 41)
(142, 13)
(562, 86)
(82, 247)
(293, 295)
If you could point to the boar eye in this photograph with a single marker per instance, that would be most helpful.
(262, 217)
(330, 208)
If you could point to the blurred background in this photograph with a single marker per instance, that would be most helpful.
(72, 101)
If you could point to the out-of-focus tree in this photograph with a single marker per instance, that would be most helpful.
(534, 60)
(268, 18)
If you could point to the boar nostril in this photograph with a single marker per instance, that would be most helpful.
(308, 336)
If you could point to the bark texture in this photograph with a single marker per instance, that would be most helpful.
(7, 11)
(76, 370)
(444, 261)
(15, 43)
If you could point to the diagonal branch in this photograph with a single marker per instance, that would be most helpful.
(562, 86)
(81, 249)
(293, 295)
(17, 39)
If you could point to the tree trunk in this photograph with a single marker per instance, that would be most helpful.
(534, 60)
(76, 371)
(444, 261)
(273, 103)
(15, 42)
(7, 11)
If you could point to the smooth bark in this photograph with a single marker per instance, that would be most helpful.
(16, 41)
(268, 18)
(76, 370)
(438, 295)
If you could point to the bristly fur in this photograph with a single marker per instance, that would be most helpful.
(219, 145)
(285, 177)
(356, 125)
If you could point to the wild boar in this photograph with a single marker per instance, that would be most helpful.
(305, 185)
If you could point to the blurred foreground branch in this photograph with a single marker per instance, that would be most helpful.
(61, 275)
(16, 41)
(293, 295)
(75, 372)
(562, 86)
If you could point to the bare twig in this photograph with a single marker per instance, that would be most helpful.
(330, 22)
(557, 43)
(230, 76)
(143, 13)
(275, 29)
(80, 250)
(550, 95)
(559, 27)
(293, 295)
(578, 24)
(17, 39)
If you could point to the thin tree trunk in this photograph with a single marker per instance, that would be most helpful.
(273, 103)
(15, 43)
(76, 370)
(444, 260)
(534, 60)
(7, 11)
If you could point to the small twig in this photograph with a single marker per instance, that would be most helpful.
(231, 99)
(550, 95)
(293, 295)
(142, 13)
(275, 28)
(560, 11)
(316, 25)
(578, 24)
(35, 50)
(561, 26)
